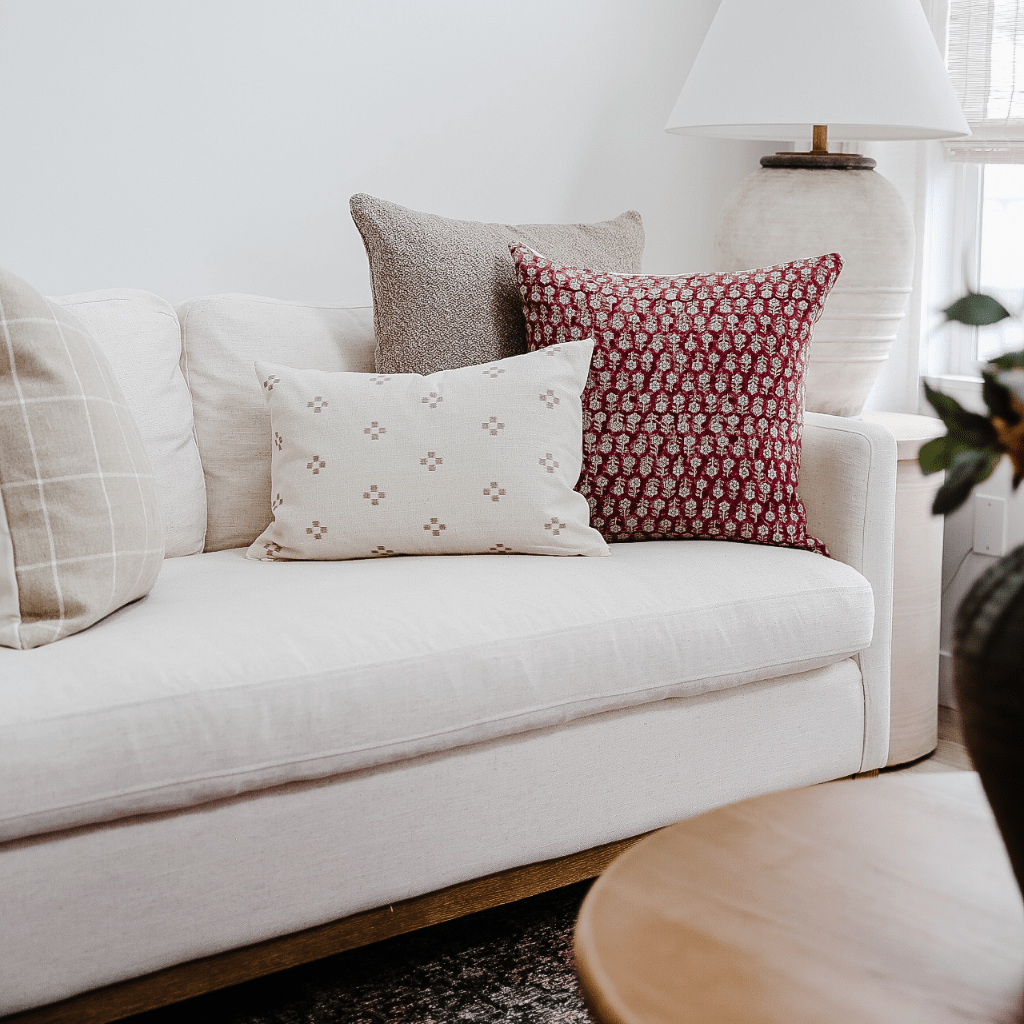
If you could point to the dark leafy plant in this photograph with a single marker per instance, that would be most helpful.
(988, 657)
(988, 676)
(974, 444)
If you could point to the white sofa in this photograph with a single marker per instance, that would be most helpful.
(258, 749)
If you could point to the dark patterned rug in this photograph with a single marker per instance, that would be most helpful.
(512, 964)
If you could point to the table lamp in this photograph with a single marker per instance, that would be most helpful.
(811, 71)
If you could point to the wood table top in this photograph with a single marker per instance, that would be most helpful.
(872, 900)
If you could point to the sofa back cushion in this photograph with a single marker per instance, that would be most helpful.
(80, 531)
(222, 337)
(139, 333)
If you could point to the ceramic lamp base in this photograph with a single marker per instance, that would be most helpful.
(780, 214)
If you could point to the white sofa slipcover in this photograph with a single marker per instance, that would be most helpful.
(418, 655)
(256, 749)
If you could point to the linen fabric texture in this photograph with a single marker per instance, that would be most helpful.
(477, 460)
(80, 530)
(139, 333)
(444, 291)
(221, 337)
(296, 670)
(98, 905)
(693, 413)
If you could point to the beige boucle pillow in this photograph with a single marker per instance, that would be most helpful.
(80, 530)
(444, 291)
(482, 459)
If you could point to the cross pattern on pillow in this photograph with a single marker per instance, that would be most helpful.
(469, 461)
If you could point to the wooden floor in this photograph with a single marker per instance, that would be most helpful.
(950, 755)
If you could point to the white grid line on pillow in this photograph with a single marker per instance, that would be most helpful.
(74, 560)
(107, 374)
(5, 326)
(5, 321)
(42, 399)
(96, 456)
(74, 476)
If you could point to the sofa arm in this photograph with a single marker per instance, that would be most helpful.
(848, 484)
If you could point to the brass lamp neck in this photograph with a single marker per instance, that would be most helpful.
(819, 158)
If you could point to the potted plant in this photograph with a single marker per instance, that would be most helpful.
(988, 656)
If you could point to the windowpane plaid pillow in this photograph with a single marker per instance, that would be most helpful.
(80, 531)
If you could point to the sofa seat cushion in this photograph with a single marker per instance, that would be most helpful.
(234, 674)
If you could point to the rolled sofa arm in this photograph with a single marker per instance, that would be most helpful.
(848, 483)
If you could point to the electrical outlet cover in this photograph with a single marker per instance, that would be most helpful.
(989, 525)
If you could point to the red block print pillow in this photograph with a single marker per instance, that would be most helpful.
(693, 410)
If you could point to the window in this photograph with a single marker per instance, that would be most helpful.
(985, 45)
(1002, 255)
(981, 183)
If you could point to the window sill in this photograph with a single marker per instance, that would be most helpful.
(966, 390)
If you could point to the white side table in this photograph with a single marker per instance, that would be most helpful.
(917, 591)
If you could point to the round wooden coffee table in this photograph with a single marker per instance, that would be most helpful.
(883, 900)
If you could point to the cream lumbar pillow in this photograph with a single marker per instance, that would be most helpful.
(80, 529)
(482, 459)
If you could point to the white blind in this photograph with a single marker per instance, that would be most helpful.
(985, 57)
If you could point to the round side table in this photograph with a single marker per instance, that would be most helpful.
(873, 900)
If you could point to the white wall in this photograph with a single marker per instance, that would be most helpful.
(197, 146)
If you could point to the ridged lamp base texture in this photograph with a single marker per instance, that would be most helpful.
(781, 214)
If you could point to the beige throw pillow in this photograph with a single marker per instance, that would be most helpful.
(481, 459)
(80, 531)
(444, 291)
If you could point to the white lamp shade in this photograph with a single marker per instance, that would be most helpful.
(771, 69)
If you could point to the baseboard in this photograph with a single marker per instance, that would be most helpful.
(184, 981)
(947, 698)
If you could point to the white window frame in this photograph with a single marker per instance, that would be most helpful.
(951, 253)
(953, 260)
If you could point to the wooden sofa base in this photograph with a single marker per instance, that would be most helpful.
(197, 977)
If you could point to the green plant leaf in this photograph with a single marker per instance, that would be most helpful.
(966, 429)
(936, 455)
(976, 310)
(939, 453)
(1009, 361)
(969, 467)
(998, 399)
